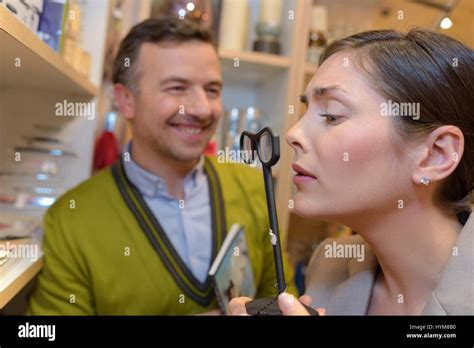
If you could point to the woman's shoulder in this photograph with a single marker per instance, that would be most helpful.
(338, 268)
(454, 294)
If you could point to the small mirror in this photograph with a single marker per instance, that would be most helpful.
(247, 149)
(265, 147)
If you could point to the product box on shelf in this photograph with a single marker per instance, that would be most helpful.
(28, 11)
(35, 11)
(52, 22)
(19, 9)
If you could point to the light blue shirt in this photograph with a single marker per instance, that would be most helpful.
(187, 223)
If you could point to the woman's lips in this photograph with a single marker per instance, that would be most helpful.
(302, 175)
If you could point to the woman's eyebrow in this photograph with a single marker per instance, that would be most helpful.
(333, 92)
(321, 91)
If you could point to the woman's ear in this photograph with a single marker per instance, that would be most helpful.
(125, 100)
(441, 152)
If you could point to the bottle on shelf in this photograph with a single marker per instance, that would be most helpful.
(269, 27)
(70, 46)
(233, 25)
(318, 33)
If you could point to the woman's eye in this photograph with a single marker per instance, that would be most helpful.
(331, 119)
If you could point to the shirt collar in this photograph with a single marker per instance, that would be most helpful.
(152, 185)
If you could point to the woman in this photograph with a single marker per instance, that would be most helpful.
(386, 146)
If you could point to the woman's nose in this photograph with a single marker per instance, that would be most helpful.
(294, 136)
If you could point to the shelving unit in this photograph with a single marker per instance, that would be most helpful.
(17, 278)
(256, 58)
(251, 68)
(27, 62)
(33, 79)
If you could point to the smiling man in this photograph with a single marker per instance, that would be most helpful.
(141, 236)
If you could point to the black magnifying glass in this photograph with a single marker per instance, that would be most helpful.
(266, 146)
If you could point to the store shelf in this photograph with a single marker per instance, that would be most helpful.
(253, 67)
(257, 58)
(40, 67)
(20, 274)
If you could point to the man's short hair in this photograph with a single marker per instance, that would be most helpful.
(153, 30)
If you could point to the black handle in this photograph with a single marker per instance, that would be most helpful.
(269, 306)
(274, 233)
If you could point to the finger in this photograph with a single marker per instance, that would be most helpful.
(237, 305)
(211, 313)
(289, 305)
(321, 311)
(305, 299)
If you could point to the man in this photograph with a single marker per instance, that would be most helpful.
(139, 238)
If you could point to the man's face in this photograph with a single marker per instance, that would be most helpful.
(178, 104)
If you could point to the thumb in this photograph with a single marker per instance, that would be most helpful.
(289, 305)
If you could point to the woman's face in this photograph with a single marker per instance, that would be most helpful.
(342, 143)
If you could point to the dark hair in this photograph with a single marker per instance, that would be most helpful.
(154, 30)
(433, 70)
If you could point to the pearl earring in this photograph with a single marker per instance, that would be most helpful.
(425, 180)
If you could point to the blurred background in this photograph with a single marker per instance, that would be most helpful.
(62, 51)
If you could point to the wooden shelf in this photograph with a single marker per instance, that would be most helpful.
(22, 272)
(253, 67)
(40, 67)
(257, 58)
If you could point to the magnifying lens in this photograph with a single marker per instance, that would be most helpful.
(266, 146)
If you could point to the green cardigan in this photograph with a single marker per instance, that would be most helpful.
(101, 259)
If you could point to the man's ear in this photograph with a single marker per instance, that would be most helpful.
(441, 152)
(125, 100)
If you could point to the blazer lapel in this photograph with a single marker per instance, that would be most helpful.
(352, 296)
(455, 291)
(454, 294)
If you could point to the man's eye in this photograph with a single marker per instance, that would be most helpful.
(176, 89)
(214, 91)
(331, 119)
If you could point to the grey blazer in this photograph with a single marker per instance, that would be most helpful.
(344, 285)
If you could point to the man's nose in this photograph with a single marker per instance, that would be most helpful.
(198, 104)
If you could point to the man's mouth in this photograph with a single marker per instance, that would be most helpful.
(190, 132)
(190, 129)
